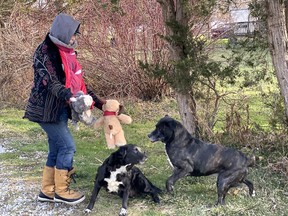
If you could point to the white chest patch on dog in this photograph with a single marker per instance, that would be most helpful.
(168, 159)
(113, 184)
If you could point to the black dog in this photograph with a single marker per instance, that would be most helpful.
(119, 175)
(190, 156)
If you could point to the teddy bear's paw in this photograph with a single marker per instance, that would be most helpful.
(111, 146)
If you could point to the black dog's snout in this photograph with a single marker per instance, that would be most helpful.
(153, 136)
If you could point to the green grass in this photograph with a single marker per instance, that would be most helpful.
(192, 196)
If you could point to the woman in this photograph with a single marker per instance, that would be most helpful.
(57, 78)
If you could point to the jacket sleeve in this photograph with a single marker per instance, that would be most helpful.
(59, 90)
(98, 101)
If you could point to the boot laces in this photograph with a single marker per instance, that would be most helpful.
(72, 176)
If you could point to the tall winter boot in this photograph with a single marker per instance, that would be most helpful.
(62, 191)
(47, 191)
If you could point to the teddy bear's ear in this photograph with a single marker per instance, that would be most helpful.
(121, 109)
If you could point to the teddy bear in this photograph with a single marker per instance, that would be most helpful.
(111, 121)
(81, 109)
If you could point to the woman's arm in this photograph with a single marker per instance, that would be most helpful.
(98, 101)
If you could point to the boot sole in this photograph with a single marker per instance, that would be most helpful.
(69, 202)
(41, 199)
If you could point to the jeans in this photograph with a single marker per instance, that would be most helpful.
(61, 143)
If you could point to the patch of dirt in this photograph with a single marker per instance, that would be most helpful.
(19, 191)
(18, 196)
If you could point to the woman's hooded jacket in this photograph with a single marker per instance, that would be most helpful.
(49, 96)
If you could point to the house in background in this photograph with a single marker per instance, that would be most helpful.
(235, 23)
(242, 23)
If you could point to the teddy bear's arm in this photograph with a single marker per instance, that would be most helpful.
(99, 122)
(125, 119)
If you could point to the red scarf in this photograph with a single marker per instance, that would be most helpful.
(73, 70)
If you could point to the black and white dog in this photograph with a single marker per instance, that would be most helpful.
(192, 157)
(119, 175)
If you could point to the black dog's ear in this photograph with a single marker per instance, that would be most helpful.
(166, 115)
(122, 151)
(118, 155)
(170, 123)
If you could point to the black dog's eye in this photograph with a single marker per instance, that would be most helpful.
(136, 150)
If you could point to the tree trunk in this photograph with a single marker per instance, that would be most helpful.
(174, 10)
(286, 13)
(277, 37)
(187, 112)
(2, 26)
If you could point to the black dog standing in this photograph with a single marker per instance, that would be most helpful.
(119, 175)
(190, 156)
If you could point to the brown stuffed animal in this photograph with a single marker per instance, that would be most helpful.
(111, 121)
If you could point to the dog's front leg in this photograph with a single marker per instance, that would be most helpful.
(123, 211)
(177, 174)
(95, 192)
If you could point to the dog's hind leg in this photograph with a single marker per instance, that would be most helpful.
(151, 189)
(229, 179)
(250, 186)
(154, 191)
(145, 186)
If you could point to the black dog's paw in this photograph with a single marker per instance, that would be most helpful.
(219, 203)
(169, 188)
(87, 211)
(123, 212)
(156, 199)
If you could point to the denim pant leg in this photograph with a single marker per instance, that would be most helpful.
(61, 144)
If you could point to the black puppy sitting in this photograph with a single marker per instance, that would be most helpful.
(119, 175)
(190, 156)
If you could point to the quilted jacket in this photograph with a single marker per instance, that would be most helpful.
(48, 95)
